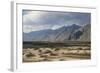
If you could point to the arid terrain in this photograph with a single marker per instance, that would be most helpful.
(56, 36)
(56, 53)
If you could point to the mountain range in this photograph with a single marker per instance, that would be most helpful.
(66, 33)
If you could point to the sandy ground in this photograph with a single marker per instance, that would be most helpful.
(56, 54)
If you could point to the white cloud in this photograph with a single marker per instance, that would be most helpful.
(29, 28)
(28, 18)
(32, 15)
(56, 27)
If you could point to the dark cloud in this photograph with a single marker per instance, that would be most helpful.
(57, 18)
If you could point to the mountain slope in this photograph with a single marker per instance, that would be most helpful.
(63, 34)
(82, 34)
(86, 33)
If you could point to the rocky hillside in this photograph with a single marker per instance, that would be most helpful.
(66, 33)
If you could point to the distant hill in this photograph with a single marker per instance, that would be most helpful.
(66, 33)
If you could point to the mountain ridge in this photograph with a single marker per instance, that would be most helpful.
(65, 33)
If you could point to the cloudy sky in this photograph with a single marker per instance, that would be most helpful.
(39, 20)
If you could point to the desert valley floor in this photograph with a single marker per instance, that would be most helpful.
(56, 53)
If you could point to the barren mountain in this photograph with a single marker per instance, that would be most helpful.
(66, 33)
